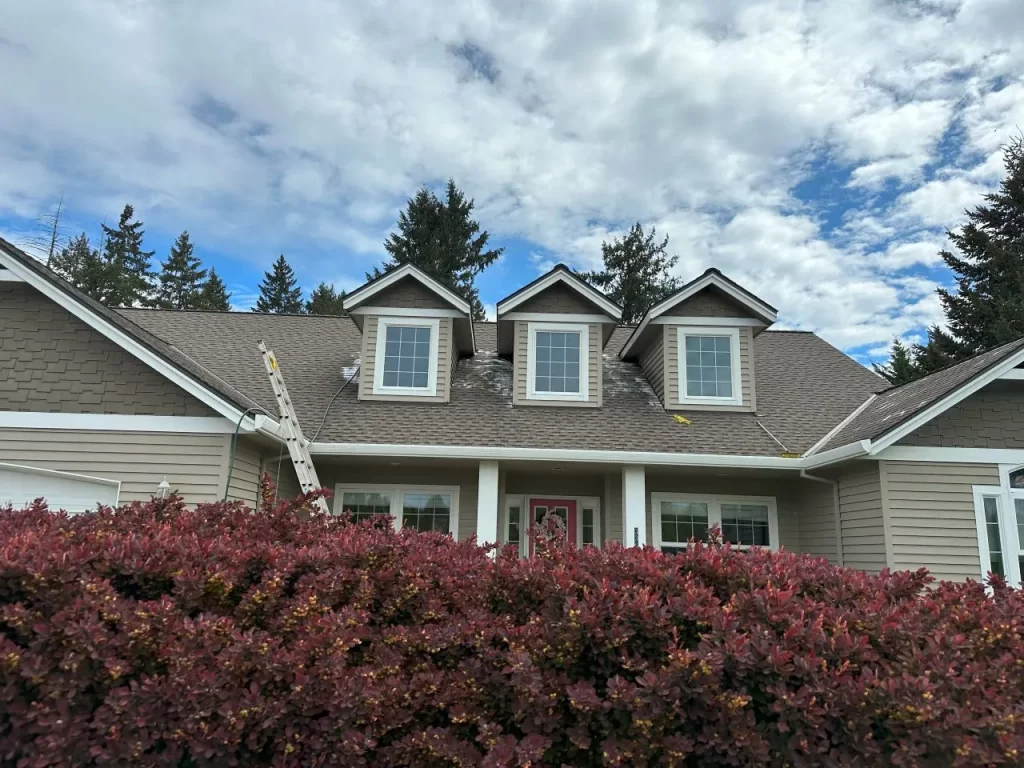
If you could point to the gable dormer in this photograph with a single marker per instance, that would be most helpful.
(555, 329)
(414, 331)
(696, 347)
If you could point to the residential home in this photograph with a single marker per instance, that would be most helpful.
(703, 414)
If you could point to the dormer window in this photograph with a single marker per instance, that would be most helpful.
(709, 365)
(556, 361)
(406, 360)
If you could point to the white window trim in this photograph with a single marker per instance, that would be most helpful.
(385, 322)
(531, 361)
(682, 332)
(714, 514)
(1005, 496)
(397, 493)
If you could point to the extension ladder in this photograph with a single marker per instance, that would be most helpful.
(290, 429)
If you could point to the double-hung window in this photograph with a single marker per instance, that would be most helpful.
(999, 514)
(556, 361)
(745, 521)
(709, 366)
(406, 356)
(425, 508)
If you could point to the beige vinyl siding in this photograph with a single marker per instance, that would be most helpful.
(746, 373)
(613, 517)
(369, 363)
(652, 361)
(930, 514)
(708, 303)
(195, 465)
(285, 481)
(246, 469)
(521, 374)
(862, 521)
(408, 293)
(818, 520)
(558, 299)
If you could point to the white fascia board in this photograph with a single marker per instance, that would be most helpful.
(123, 340)
(1008, 456)
(843, 452)
(1017, 374)
(7, 276)
(947, 402)
(507, 305)
(556, 317)
(116, 422)
(360, 295)
(840, 426)
(60, 473)
(476, 452)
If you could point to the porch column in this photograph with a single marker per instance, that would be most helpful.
(487, 503)
(634, 506)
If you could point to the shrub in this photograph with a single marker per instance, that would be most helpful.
(158, 635)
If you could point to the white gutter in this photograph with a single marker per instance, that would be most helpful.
(851, 451)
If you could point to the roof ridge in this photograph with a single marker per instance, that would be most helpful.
(950, 366)
(247, 312)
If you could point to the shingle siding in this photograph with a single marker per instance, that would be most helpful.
(558, 299)
(408, 294)
(53, 362)
(991, 418)
(708, 303)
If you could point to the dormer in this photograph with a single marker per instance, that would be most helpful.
(414, 331)
(555, 329)
(696, 347)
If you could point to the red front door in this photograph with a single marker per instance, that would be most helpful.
(563, 508)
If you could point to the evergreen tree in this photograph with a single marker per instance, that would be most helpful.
(901, 367)
(213, 296)
(279, 291)
(636, 272)
(131, 281)
(180, 277)
(80, 264)
(325, 301)
(441, 238)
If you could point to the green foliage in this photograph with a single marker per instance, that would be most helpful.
(81, 265)
(213, 296)
(127, 265)
(637, 272)
(901, 366)
(441, 238)
(279, 291)
(325, 301)
(181, 277)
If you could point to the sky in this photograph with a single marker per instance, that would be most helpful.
(814, 151)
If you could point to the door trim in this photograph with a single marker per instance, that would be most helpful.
(522, 500)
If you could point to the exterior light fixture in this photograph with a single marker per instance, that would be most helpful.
(163, 489)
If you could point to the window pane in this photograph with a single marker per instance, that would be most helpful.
(1017, 479)
(995, 548)
(362, 506)
(745, 524)
(406, 356)
(427, 511)
(557, 362)
(708, 366)
(587, 526)
(513, 525)
(682, 521)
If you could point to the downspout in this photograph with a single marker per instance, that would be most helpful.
(835, 505)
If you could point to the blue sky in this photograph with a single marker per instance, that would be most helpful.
(815, 151)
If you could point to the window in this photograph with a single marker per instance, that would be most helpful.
(514, 532)
(745, 521)
(406, 357)
(999, 514)
(556, 360)
(709, 366)
(425, 508)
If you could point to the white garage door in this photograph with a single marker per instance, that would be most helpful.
(62, 490)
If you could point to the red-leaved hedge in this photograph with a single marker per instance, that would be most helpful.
(157, 635)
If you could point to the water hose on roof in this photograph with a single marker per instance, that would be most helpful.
(328, 408)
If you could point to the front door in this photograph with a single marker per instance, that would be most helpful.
(565, 509)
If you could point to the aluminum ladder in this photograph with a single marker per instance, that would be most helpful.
(298, 449)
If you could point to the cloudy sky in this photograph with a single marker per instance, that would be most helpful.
(813, 151)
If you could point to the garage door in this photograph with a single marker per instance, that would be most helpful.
(62, 490)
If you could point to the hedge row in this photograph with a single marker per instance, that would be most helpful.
(158, 635)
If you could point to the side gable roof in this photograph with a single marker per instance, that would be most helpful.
(711, 278)
(561, 274)
(370, 289)
(159, 355)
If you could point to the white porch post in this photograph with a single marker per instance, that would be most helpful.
(487, 503)
(634, 506)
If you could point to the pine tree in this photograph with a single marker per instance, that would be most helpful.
(131, 280)
(901, 367)
(442, 239)
(213, 296)
(279, 291)
(80, 264)
(325, 301)
(987, 307)
(636, 272)
(180, 279)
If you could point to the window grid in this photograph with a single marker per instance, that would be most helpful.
(407, 356)
(682, 521)
(744, 521)
(587, 526)
(709, 366)
(557, 366)
(513, 526)
(745, 524)
(362, 506)
(427, 511)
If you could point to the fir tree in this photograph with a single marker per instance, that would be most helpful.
(128, 266)
(80, 264)
(180, 277)
(279, 291)
(325, 301)
(901, 367)
(442, 238)
(213, 296)
(636, 272)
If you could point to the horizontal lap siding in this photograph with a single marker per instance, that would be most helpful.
(863, 524)
(652, 361)
(369, 363)
(931, 516)
(817, 520)
(194, 464)
(245, 474)
(746, 373)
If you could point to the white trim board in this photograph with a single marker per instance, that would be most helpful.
(556, 317)
(952, 455)
(360, 295)
(407, 312)
(839, 427)
(61, 473)
(1017, 374)
(115, 422)
(560, 275)
(720, 322)
(6, 276)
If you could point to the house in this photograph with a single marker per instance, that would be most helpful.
(702, 414)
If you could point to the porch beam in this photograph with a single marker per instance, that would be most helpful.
(487, 503)
(634, 506)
